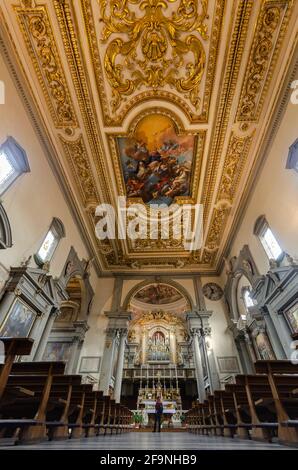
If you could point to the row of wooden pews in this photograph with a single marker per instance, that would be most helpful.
(260, 406)
(38, 401)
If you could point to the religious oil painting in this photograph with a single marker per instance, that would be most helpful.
(57, 351)
(157, 163)
(158, 294)
(19, 321)
(264, 347)
(292, 317)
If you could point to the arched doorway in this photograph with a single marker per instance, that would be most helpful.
(158, 356)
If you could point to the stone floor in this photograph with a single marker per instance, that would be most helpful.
(155, 441)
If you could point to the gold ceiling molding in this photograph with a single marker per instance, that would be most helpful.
(138, 39)
(208, 257)
(235, 160)
(158, 244)
(36, 28)
(77, 69)
(226, 97)
(270, 30)
(217, 226)
(149, 48)
(73, 77)
(77, 157)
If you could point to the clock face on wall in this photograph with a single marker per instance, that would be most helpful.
(212, 291)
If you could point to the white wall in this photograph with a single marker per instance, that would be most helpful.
(35, 197)
(275, 195)
(97, 321)
(222, 341)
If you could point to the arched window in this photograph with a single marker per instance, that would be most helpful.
(264, 233)
(248, 301)
(50, 242)
(13, 162)
(292, 162)
(5, 231)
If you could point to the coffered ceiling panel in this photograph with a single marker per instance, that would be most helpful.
(156, 100)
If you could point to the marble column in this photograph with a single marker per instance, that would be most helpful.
(274, 338)
(199, 320)
(173, 346)
(77, 343)
(119, 372)
(36, 334)
(195, 334)
(118, 321)
(45, 336)
(210, 360)
(143, 345)
(244, 346)
(108, 360)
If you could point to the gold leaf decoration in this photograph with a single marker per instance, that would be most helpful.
(78, 158)
(150, 48)
(40, 42)
(270, 29)
(234, 162)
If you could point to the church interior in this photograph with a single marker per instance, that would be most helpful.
(174, 104)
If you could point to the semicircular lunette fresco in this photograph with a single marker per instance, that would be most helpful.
(158, 294)
(157, 163)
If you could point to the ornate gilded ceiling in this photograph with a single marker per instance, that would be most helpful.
(204, 74)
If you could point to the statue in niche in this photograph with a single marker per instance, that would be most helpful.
(179, 358)
(131, 336)
(137, 358)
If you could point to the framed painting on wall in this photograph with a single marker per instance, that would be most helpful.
(19, 320)
(90, 364)
(291, 315)
(228, 364)
(264, 347)
(57, 351)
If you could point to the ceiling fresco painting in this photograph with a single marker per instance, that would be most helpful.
(158, 294)
(161, 101)
(156, 163)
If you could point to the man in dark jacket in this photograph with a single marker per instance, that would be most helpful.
(158, 414)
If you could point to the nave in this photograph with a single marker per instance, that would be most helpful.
(153, 441)
(148, 224)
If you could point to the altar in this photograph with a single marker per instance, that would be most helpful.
(148, 406)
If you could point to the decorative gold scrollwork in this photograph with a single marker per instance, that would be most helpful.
(153, 47)
(41, 45)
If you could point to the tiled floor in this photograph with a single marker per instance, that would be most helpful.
(155, 441)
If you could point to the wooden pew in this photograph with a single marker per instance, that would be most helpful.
(80, 405)
(39, 401)
(241, 407)
(13, 347)
(26, 417)
(283, 375)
